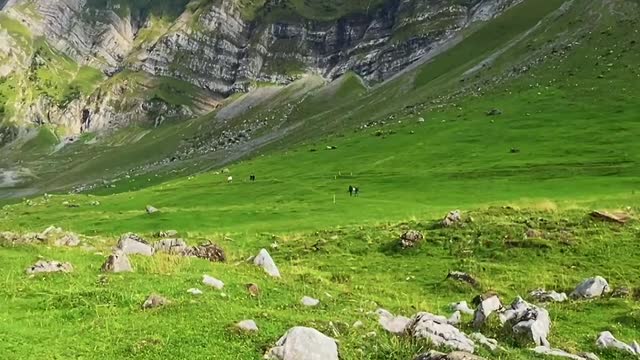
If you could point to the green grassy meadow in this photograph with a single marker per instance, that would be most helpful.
(563, 145)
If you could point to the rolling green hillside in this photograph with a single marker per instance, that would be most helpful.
(527, 125)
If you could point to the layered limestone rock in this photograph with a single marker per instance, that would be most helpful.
(218, 48)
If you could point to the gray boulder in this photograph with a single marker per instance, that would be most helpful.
(132, 244)
(486, 308)
(561, 353)
(591, 288)
(606, 340)
(528, 320)
(302, 343)
(117, 262)
(265, 261)
(391, 323)
(49, 267)
(439, 332)
(542, 295)
(455, 319)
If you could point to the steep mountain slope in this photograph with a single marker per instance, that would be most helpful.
(219, 47)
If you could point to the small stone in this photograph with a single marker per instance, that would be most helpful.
(462, 306)
(155, 301)
(393, 324)
(548, 296)
(49, 267)
(213, 282)
(151, 210)
(194, 291)
(462, 277)
(68, 239)
(247, 325)
(309, 301)
(253, 289)
(358, 324)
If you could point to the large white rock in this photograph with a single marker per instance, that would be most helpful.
(437, 330)
(607, 340)
(265, 261)
(302, 343)
(132, 244)
(591, 288)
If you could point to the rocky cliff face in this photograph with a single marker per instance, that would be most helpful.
(215, 46)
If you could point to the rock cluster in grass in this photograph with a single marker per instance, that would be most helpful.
(52, 235)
